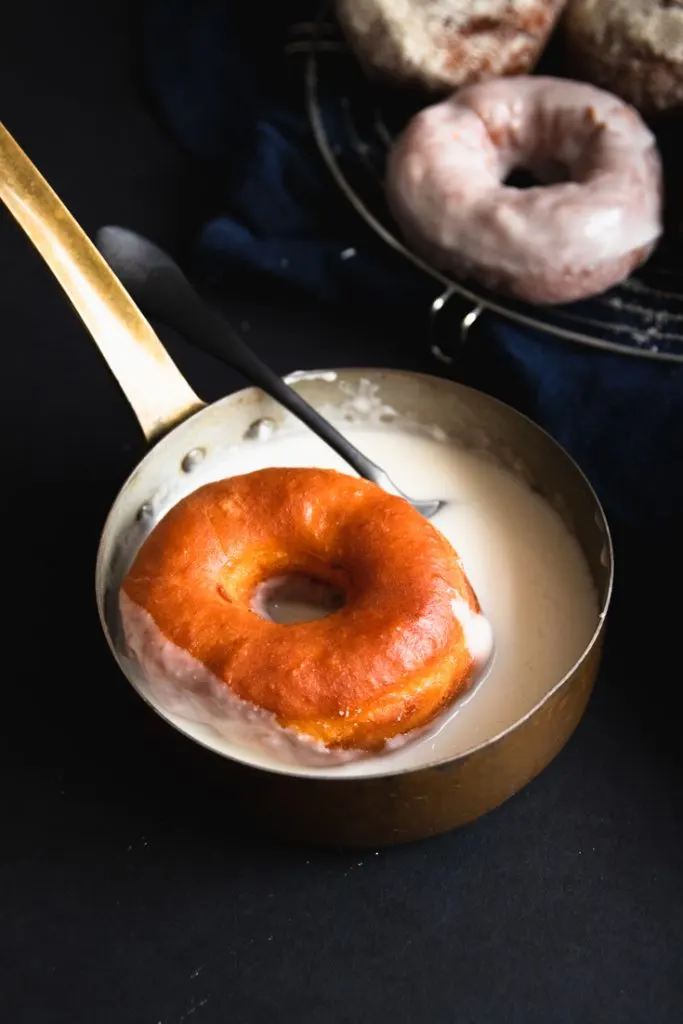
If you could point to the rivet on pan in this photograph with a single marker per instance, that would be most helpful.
(145, 511)
(192, 460)
(260, 429)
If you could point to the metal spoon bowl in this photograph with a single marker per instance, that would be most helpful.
(161, 289)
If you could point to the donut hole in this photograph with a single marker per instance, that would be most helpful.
(296, 597)
(554, 173)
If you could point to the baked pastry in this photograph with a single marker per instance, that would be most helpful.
(597, 217)
(439, 45)
(407, 641)
(634, 48)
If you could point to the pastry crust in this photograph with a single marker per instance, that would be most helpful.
(384, 664)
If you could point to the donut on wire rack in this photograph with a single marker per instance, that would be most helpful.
(634, 48)
(596, 218)
(438, 45)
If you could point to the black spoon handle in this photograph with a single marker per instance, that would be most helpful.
(172, 299)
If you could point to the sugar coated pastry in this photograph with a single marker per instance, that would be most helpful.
(634, 48)
(442, 44)
(406, 642)
(595, 218)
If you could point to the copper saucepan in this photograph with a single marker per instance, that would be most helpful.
(189, 438)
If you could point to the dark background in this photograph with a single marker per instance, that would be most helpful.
(129, 889)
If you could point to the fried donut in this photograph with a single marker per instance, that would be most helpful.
(634, 48)
(439, 45)
(404, 645)
(552, 243)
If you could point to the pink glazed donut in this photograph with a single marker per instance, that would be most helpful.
(594, 220)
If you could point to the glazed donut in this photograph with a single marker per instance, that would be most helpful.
(552, 243)
(634, 48)
(404, 645)
(439, 45)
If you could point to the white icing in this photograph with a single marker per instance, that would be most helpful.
(526, 568)
(293, 598)
(551, 243)
(476, 631)
(185, 689)
(329, 376)
(363, 403)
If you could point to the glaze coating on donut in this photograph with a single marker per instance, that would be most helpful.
(386, 663)
(552, 243)
(634, 48)
(439, 45)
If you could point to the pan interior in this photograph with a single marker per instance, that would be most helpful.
(413, 425)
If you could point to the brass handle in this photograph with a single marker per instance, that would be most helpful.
(152, 383)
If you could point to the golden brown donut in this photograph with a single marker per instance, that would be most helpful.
(384, 664)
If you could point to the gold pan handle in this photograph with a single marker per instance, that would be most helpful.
(152, 383)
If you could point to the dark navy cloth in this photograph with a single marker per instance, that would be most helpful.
(235, 101)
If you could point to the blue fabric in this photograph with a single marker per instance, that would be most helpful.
(230, 97)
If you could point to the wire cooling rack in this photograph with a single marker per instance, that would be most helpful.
(355, 121)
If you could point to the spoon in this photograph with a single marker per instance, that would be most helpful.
(162, 290)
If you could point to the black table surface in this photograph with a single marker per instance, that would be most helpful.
(129, 891)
